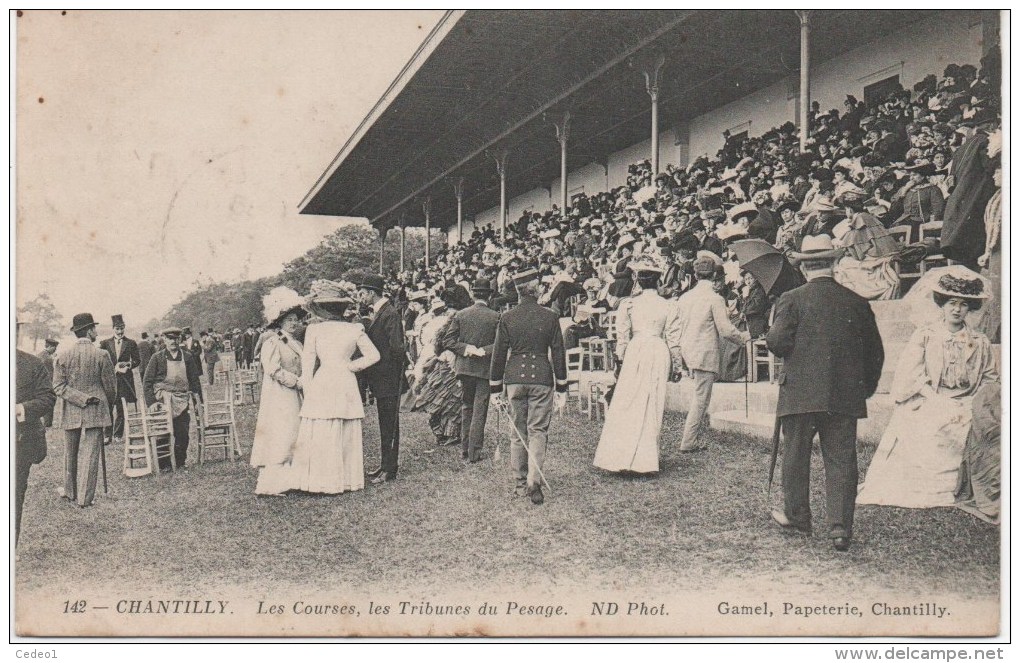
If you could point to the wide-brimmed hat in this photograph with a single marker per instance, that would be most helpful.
(279, 302)
(525, 276)
(625, 240)
(418, 296)
(788, 204)
(958, 281)
(817, 247)
(744, 209)
(328, 299)
(372, 282)
(82, 321)
(550, 234)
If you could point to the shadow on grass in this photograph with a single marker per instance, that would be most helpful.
(702, 521)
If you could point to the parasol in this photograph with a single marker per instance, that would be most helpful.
(768, 266)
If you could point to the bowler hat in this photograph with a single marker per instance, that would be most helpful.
(481, 285)
(82, 321)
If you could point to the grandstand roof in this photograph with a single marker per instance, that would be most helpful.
(487, 80)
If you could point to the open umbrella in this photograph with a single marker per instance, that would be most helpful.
(768, 266)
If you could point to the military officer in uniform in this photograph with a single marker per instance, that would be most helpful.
(529, 359)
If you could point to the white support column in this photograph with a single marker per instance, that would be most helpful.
(562, 135)
(382, 246)
(805, 74)
(458, 190)
(652, 87)
(500, 157)
(403, 239)
(426, 205)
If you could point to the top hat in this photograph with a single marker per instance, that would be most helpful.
(82, 321)
(118, 320)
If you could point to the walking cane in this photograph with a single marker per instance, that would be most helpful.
(775, 455)
(531, 456)
(102, 462)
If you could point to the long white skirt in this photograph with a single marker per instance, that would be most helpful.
(328, 456)
(630, 437)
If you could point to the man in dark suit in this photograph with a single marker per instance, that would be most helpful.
(248, 346)
(34, 400)
(145, 351)
(47, 359)
(528, 356)
(832, 361)
(387, 334)
(470, 335)
(125, 357)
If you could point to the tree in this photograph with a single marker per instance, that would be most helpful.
(41, 318)
(351, 249)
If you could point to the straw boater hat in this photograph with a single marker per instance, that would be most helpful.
(744, 209)
(550, 234)
(327, 299)
(817, 247)
(279, 302)
(960, 282)
(710, 255)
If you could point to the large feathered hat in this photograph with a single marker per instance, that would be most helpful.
(280, 301)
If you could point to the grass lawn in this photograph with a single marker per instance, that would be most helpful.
(442, 527)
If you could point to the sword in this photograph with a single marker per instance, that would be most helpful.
(502, 406)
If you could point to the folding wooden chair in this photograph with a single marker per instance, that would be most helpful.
(159, 431)
(216, 423)
(574, 376)
(139, 455)
(245, 382)
(932, 230)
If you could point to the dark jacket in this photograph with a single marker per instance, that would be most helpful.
(963, 232)
(387, 334)
(156, 372)
(756, 311)
(34, 392)
(528, 348)
(129, 353)
(145, 352)
(831, 349)
(475, 325)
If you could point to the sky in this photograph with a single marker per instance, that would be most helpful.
(157, 150)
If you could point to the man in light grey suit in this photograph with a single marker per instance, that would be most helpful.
(703, 318)
(84, 382)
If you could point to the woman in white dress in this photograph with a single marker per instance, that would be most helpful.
(280, 405)
(647, 343)
(328, 455)
(917, 462)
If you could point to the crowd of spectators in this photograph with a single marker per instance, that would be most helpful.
(919, 156)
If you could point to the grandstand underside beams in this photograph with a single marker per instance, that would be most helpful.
(488, 81)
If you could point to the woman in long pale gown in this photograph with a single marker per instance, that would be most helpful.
(280, 404)
(647, 341)
(328, 455)
(945, 362)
